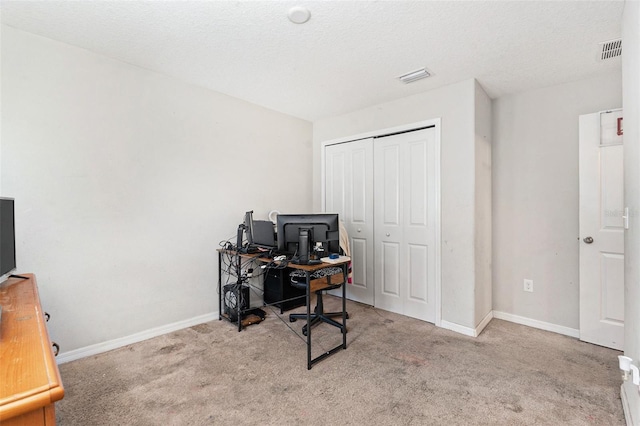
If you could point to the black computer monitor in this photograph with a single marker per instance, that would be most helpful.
(259, 234)
(262, 234)
(7, 236)
(246, 227)
(298, 234)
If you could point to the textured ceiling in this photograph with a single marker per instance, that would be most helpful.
(349, 53)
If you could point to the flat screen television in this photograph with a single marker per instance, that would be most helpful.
(7, 236)
(299, 233)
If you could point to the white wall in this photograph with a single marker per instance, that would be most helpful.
(631, 105)
(1, 108)
(535, 196)
(456, 106)
(125, 182)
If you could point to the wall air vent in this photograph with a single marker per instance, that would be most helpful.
(414, 75)
(610, 49)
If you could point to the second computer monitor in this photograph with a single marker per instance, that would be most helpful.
(263, 235)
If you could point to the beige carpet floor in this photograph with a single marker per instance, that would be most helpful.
(395, 371)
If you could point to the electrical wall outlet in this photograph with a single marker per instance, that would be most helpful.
(528, 285)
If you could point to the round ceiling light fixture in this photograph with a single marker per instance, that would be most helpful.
(299, 14)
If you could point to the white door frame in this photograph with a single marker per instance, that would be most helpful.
(436, 123)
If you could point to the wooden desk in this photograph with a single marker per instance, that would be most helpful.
(30, 382)
(312, 286)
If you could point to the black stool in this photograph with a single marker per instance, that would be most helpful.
(299, 280)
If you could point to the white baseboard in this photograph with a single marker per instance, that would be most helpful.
(134, 338)
(572, 332)
(487, 318)
(632, 417)
(467, 331)
(625, 405)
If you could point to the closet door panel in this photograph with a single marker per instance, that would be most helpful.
(390, 185)
(359, 254)
(420, 225)
(349, 192)
(336, 186)
(359, 185)
(389, 298)
(417, 181)
(405, 216)
(418, 272)
(388, 212)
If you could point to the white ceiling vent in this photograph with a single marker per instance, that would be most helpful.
(414, 75)
(610, 49)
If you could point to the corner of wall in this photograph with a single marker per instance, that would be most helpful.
(482, 214)
(631, 108)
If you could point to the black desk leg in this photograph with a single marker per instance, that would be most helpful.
(219, 286)
(239, 290)
(345, 272)
(239, 304)
(308, 274)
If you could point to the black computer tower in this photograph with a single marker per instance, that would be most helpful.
(230, 300)
(279, 292)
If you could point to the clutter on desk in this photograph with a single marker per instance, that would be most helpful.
(337, 259)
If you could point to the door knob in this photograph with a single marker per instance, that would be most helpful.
(388, 234)
(588, 240)
(359, 230)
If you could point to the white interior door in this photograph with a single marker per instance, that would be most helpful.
(405, 223)
(349, 192)
(601, 230)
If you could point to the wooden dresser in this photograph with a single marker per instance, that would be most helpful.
(29, 378)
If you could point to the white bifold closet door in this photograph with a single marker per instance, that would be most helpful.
(385, 191)
(405, 223)
(349, 192)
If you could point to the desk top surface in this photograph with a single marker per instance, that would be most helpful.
(310, 268)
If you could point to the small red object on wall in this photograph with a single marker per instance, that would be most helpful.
(620, 126)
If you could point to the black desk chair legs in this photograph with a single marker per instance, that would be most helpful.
(318, 315)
